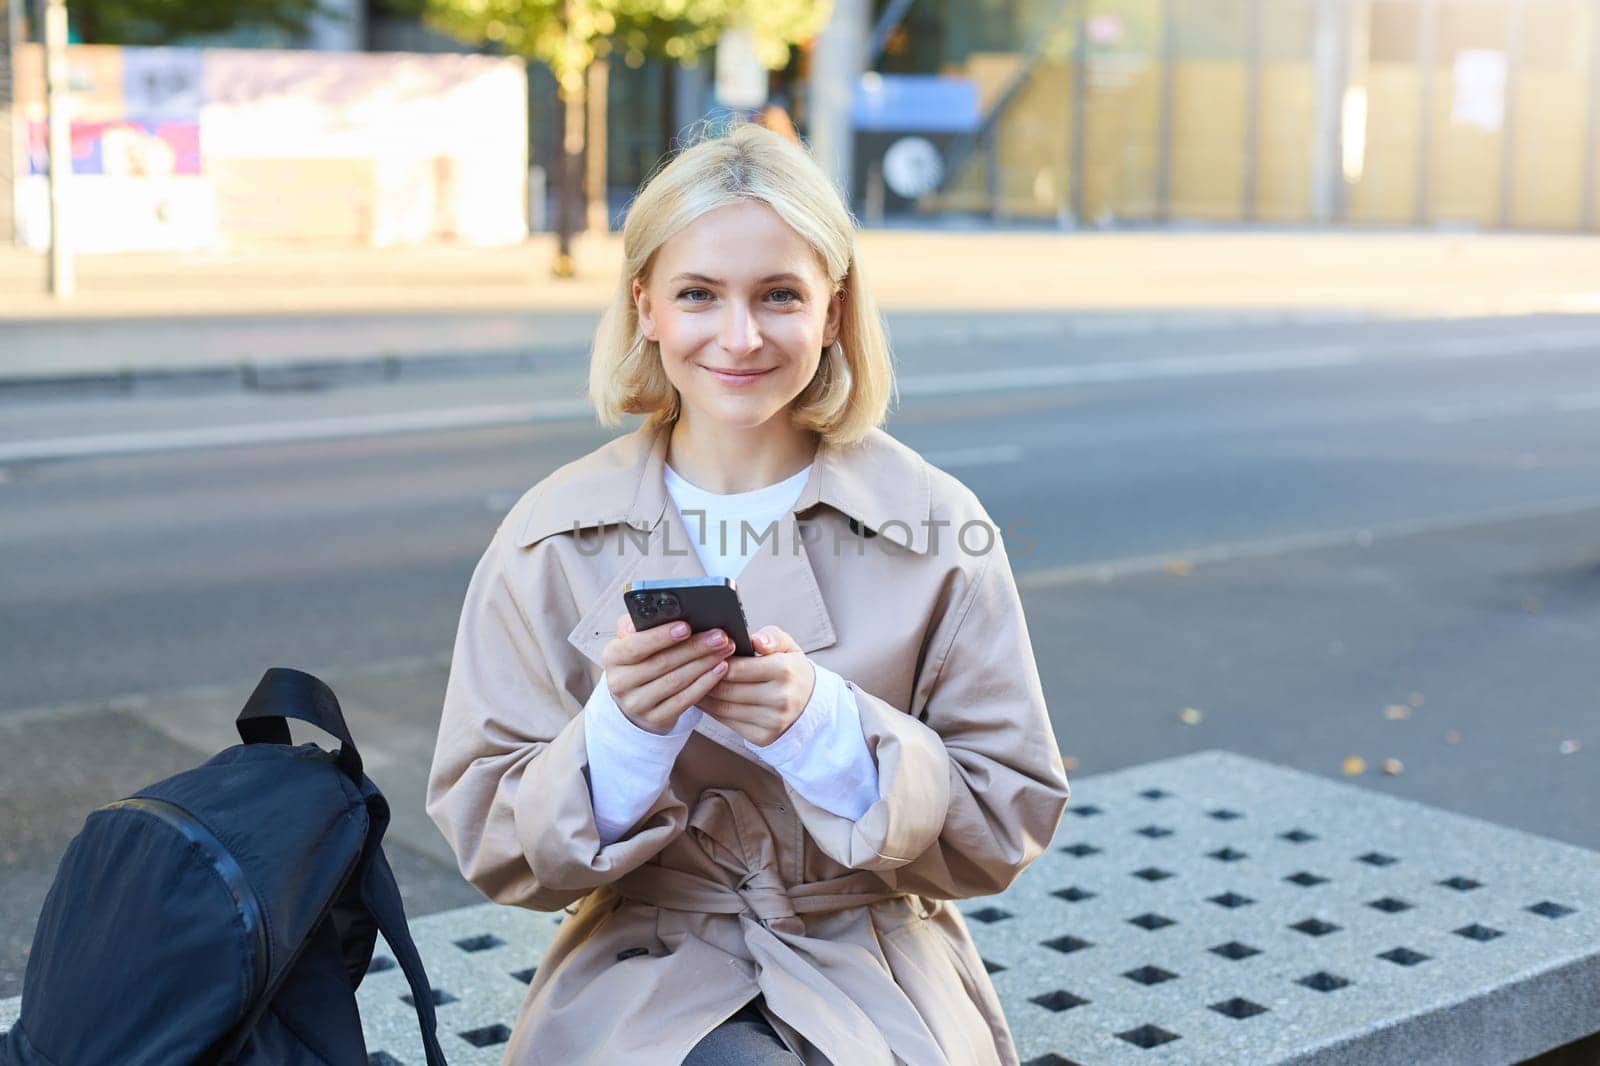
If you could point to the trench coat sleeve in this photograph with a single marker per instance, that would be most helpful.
(509, 785)
(970, 777)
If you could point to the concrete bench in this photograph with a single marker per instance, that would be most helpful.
(1204, 909)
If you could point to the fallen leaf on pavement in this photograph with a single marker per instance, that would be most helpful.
(1180, 568)
(1353, 765)
(1393, 767)
(1452, 737)
(1396, 711)
(1190, 716)
(1570, 746)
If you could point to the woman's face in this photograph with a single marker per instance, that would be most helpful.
(742, 309)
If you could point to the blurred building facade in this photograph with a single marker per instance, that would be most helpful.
(1391, 112)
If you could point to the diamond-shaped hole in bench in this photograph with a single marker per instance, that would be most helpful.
(1305, 879)
(1461, 884)
(383, 1058)
(380, 963)
(1155, 794)
(1315, 927)
(1235, 950)
(1058, 1001)
(1238, 1007)
(1231, 900)
(1149, 975)
(1067, 944)
(1088, 810)
(1051, 1059)
(526, 976)
(1073, 894)
(1389, 905)
(1377, 858)
(1298, 836)
(1223, 814)
(439, 996)
(1226, 855)
(1323, 981)
(1079, 851)
(1404, 956)
(1477, 932)
(1153, 873)
(482, 942)
(1154, 832)
(989, 915)
(1547, 909)
(1147, 1036)
(1152, 922)
(488, 1036)
(990, 967)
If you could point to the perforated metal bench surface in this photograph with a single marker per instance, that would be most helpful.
(1205, 909)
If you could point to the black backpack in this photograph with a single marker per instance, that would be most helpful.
(226, 914)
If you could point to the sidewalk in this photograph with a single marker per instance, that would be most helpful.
(1241, 277)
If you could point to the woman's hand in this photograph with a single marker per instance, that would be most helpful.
(761, 697)
(657, 675)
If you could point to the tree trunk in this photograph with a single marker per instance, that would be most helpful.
(571, 178)
(597, 211)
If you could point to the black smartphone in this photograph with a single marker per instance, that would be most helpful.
(704, 602)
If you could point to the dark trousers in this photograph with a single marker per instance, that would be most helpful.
(743, 1040)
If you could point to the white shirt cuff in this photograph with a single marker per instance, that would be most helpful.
(628, 766)
(823, 754)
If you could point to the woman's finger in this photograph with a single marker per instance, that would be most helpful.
(770, 640)
(662, 690)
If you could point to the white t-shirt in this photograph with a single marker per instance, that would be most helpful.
(823, 754)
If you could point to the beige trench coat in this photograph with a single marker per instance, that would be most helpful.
(732, 883)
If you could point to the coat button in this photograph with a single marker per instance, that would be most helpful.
(631, 952)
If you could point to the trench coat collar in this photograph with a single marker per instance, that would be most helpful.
(880, 484)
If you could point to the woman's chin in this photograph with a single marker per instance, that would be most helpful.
(737, 412)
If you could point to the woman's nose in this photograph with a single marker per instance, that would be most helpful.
(740, 331)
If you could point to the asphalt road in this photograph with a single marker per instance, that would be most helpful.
(1300, 543)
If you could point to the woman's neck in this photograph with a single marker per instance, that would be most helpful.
(727, 459)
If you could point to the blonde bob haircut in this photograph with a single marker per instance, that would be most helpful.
(850, 393)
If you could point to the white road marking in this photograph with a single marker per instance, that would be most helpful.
(309, 429)
(1358, 536)
(964, 382)
(984, 456)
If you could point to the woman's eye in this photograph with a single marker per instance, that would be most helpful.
(688, 292)
(791, 293)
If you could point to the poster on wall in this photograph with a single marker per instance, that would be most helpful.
(1480, 89)
(178, 149)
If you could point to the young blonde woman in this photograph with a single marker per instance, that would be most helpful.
(756, 853)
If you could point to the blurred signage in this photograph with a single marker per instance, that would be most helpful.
(911, 103)
(186, 148)
(741, 77)
(912, 167)
(1480, 88)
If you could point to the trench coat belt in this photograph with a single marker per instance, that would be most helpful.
(839, 995)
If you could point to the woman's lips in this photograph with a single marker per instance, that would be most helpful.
(737, 379)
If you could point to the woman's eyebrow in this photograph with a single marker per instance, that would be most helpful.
(717, 281)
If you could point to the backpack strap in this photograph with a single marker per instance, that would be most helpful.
(382, 897)
(286, 693)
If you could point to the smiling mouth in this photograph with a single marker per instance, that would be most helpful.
(738, 373)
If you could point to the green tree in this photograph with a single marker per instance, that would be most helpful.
(164, 21)
(577, 38)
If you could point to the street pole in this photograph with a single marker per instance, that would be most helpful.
(62, 279)
(12, 148)
(837, 63)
